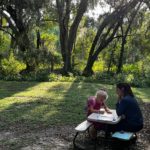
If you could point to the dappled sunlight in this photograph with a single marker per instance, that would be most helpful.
(52, 90)
(142, 94)
(31, 93)
(10, 89)
(41, 113)
(5, 103)
(55, 54)
(49, 114)
(32, 112)
(48, 103)
(44, 103)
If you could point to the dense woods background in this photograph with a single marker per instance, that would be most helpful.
(51, 40)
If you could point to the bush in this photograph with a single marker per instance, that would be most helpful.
(130, 68)
(129, 78)
(29, 77)
(11, 68)
(42, 75)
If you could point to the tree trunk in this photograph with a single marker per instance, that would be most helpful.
(120, 62)
(93, 55)
(68, 35)
(38, 40)
(124, 37)
(88, 69)
(52, 65)
(111, 59)
(20, 32)
(29, 68)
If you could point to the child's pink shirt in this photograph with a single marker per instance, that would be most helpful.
(93, 103)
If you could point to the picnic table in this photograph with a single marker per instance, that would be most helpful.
(105, 118)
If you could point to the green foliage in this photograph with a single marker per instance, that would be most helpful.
(82, 47)
(147, 66)
(29, 77)
(57, 58)
(42, 75)
(133, 79)
(131, 68)
(99, 66)
(4, 43)
(60, 78)
(136, 68)
(11, 67)
(49, 40)
(130, 78)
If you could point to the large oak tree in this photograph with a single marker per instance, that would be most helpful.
(107, 30)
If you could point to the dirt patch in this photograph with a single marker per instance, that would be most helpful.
(60, 137)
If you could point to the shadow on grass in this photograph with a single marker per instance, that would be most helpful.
(9, 88)
(37, 112)
(66, 107)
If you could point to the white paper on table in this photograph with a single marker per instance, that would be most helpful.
(103, 117)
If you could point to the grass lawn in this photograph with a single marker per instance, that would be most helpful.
(40, 104)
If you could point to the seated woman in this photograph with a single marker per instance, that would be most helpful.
(128, 108)
(94, 104)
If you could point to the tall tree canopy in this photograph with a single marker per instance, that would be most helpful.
(20, 17)
(26, 17)
(107, 30)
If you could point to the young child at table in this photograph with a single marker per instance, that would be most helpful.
(94, 105)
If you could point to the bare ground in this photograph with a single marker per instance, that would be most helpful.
(60, 137)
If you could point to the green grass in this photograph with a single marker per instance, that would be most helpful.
(40, 104)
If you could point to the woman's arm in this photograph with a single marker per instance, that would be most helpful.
(121, 107)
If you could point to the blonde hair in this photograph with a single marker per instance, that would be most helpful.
(102, 93)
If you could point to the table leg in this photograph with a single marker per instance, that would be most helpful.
(75, 139)
(95, 144)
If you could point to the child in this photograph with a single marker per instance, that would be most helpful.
(94, 104)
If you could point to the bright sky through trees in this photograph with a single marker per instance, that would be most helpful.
(98, 10)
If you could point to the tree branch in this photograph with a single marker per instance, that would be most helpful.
(11, 22)
(7, 32)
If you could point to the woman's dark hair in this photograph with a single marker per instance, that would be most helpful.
(126, 88)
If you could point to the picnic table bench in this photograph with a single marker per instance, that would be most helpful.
(81, 128)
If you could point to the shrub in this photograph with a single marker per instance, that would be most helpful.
(130, 68)
(42, 75)
(11, 67)
(29, 77)
(129, 78)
